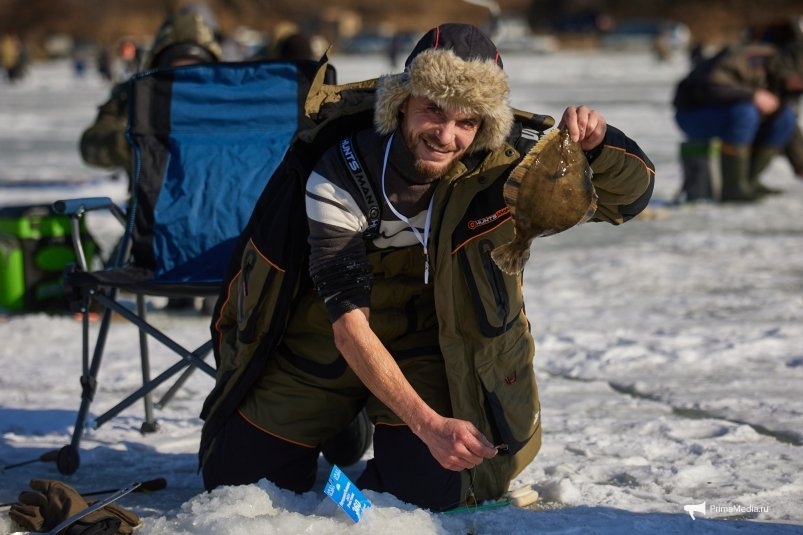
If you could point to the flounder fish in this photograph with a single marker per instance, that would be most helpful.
(548, 192)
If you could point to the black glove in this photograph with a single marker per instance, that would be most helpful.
(52, 502)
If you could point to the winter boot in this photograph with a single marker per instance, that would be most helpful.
(794, 152)
(700, 159)
(759, 160)
(348, 446)
(735, 165)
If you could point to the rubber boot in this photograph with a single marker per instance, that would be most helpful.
(348, 446)
(759, 161)
(794, 152)
(735, 165)
(700, 160)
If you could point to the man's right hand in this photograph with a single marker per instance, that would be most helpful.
(767, 102)
(456, 444)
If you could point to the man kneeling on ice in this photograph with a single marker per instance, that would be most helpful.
(400, 316)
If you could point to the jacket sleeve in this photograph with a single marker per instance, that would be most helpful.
(732, 75)
(624, 177)
(104, 144)
(737, 77)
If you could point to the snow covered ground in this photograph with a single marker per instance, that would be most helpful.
(669, 350)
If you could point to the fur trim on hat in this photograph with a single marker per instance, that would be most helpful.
(475, 87)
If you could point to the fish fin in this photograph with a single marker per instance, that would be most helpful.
(510, 258)
(512, 186)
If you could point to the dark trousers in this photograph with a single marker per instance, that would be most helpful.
(402, 465)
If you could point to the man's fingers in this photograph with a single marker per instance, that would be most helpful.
(459, 445)
(584, 125)
(478, 450)
(568, 122)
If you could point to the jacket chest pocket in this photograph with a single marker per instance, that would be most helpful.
(495, 296)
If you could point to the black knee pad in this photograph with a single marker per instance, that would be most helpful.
(243, 454)
(403, 466)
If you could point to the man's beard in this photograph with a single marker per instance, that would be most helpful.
(430, 170)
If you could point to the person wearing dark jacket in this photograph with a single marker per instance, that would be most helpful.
(406, 317)
(745, 95)
(783, 32)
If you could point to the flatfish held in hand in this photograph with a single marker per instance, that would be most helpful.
(549, 191)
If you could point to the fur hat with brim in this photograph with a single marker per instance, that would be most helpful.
(457, 67)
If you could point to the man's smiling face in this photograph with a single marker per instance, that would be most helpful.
(437, 137)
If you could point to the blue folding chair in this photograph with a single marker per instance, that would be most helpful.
(205, 141)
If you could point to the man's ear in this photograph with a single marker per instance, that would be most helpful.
(403, 107)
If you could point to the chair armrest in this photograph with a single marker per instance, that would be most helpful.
(76, 208)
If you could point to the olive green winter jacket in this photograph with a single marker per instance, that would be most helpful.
(484, 334)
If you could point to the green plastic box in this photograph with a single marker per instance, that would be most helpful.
(35, 248)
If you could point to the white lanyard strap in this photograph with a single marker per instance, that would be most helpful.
(422, 239)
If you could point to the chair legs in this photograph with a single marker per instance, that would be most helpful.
(68, 458)
(149, 425)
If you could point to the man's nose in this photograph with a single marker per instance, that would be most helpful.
(445, 132)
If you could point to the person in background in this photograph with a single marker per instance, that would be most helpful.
(127, 60)
(104, 64)
(13, 57)
(186, 37)
(781, 33)
(394, 49)
(414, 324)
(183, 38)
(293, 44)
(745, 95)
